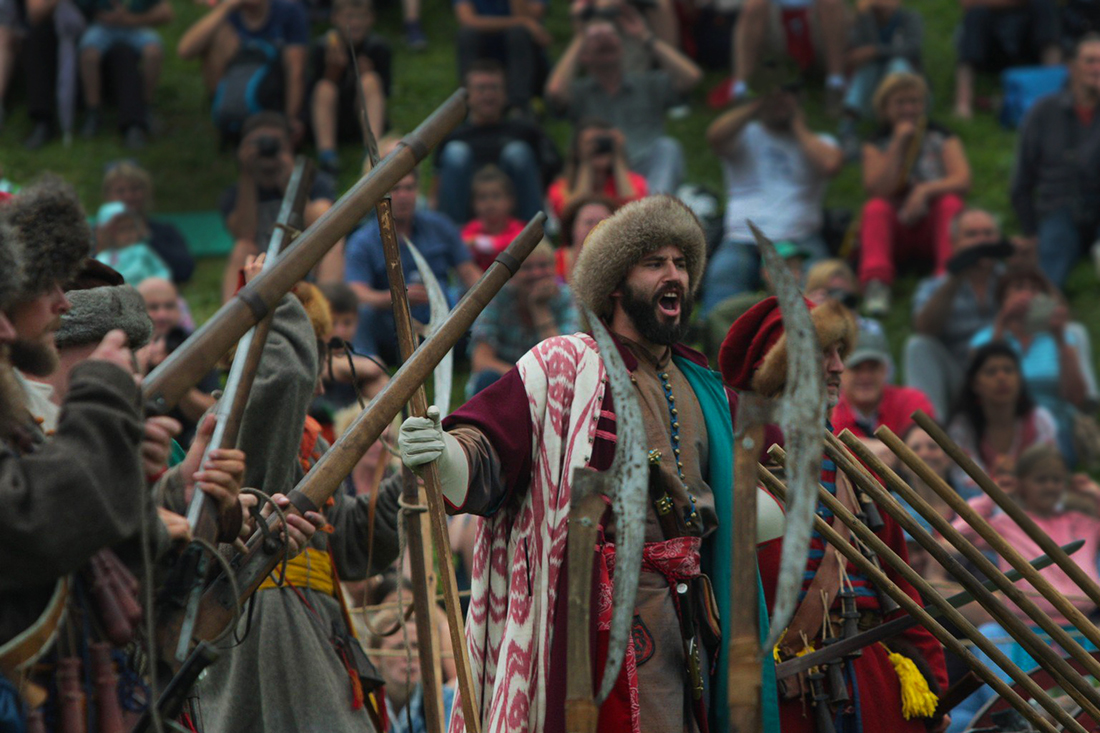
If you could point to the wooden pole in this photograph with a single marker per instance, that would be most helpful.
(880, 579)
(1009, 507)
(1076, 686)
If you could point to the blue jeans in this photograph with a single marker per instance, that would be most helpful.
(103, 37)
(456, 171)
(734, 268)
(1061, 240)
(865, 80)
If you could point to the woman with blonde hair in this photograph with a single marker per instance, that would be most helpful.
(916, 174)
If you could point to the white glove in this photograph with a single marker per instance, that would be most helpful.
(422, 440)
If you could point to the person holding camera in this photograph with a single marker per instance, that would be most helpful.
(776, 171)
(1034, 320)
(265, 160)
(597, 165)
(634, 103)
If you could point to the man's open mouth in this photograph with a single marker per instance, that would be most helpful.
(669, 304)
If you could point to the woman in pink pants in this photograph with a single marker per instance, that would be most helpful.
(916, 174)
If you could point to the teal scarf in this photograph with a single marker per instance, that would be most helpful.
(718, 549)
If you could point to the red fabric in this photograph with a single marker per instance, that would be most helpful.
(885, 241)
(485, 247)
(1085, 114)
(556, 194)
(749, 340)
(561, 264)
(894, 411)
(800, 41)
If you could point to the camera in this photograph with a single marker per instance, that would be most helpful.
(590, 12)
(268, 146)
(604, 144)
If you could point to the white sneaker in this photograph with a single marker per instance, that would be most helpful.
(876, 299)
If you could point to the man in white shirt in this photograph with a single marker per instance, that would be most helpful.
(776, 171)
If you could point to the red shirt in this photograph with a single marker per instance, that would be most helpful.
(894, 411)
(556, 194)
(485, 247)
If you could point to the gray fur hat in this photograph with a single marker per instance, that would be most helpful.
(51, 226)
(620, 241)
(11, 267)
(96, 311)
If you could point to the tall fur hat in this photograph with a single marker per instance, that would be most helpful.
(11, 267)
(96, 311)
(51, 225)
(317, 308)
(617, 243)
(754, 353)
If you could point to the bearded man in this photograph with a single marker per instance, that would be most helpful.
(510, 453)
(753, 357)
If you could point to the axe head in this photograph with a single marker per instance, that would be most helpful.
(443, 376)
(626, 483)
(802, 416)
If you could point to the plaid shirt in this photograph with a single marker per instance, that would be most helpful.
(502, 327)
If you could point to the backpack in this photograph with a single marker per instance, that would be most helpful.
(1023, 85)
(253, 81)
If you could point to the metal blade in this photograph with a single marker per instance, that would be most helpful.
(626, 483)
(801, 415)
(443, 375)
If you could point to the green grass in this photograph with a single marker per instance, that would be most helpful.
(190, 170)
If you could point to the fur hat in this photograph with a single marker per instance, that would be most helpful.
(11, 267)
(96, 311)
(50, 224)
(317, 308)
(617, 243)
(754, 353)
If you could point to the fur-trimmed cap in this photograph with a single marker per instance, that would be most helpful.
(754, 353)
(617, 243)
(11, 267)
(96, 311)
(51, 226)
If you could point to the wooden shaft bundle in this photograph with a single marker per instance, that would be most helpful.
(881, 580)
(1075, 685)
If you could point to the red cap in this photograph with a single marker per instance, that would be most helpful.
(749, 340)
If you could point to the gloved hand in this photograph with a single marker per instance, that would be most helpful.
(422, 440)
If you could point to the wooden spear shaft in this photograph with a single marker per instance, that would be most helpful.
(1010, 507)
(881, 580)
(994, 539)
(1076, 685)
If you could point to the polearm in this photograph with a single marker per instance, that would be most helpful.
(219, 601)
(1009, 507)
(881, 580)
(890, 629)
(185, 583)
(1075, 685)
(420, 556)
(166, 384)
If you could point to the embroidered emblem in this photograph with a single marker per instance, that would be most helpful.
(643, 641)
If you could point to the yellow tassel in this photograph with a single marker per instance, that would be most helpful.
(775, 651)
(917, 700)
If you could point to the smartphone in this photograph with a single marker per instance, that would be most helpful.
(1039, 313)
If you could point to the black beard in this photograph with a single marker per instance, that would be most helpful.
(643, 314)
(34, 358)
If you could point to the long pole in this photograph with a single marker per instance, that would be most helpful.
(1076, 686)
(888, 556)
(1009, 507)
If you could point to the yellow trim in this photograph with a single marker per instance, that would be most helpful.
(917, 700)
(312, 569)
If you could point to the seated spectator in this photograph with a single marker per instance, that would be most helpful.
(949, 309)
(1055, 192)
(516, 145)
(751, 38)
(1033, 319)
(833, 279)
(122, 24)
(631, 102)
(597, 165)
(867, 399)
(334, 104)
(998, 34)
(511, 33)
(132, 185)
(933, 456)
(916, 174)
(997, 419)
(253, 55)
(122, 242)
(250, 206)
(396, 658)
(776, 170)
(166, 309)
(578, 219)
(494, 227)
(50, 26)
(346, 375)
(10, 32)
(885, 39)
(436, 238)
(529, 309)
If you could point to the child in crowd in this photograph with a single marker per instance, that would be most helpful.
(494, 227)
(345, 370)
(334, 108)
(121, 240)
